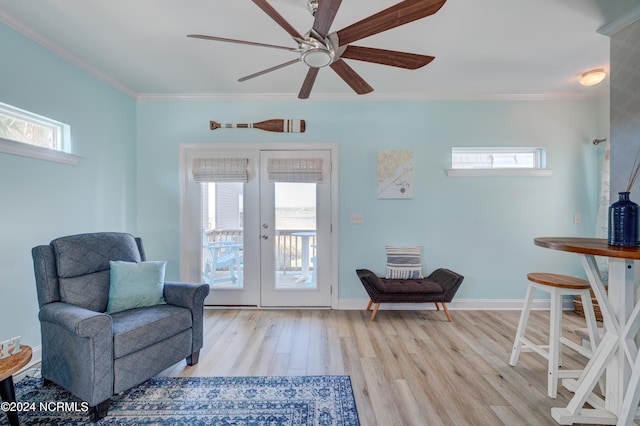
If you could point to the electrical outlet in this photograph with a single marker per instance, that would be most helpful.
(576, 218)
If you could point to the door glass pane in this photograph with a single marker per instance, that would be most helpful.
(222, 234)
(295, 235)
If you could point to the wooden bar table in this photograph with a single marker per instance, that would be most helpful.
(8, 367)
(617, 355)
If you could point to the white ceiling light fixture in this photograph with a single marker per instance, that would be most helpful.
(593, 77)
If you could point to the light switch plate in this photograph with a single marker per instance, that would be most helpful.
(357, 219)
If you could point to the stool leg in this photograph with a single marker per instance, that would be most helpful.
(522, 325)
(555, 347)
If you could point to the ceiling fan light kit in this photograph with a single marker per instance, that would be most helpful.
(593, 77)
(315, 52)
(319, 49)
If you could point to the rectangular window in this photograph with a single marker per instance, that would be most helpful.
(498, 161)
(31, 135)
(497, 158)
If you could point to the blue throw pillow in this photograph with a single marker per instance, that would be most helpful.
(135, 285)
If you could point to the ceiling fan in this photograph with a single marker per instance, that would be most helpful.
(319, 49)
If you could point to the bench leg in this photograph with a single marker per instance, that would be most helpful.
(369, 304)
(437, 306)
(375, 311)
(446, 311)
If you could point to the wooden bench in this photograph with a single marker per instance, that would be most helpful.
(439, 287)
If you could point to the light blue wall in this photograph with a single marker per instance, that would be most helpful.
(127, 179)
(43, 200)
(480, 227)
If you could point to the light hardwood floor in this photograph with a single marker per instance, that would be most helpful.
(406, 367)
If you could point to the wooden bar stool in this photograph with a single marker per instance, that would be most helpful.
(557, 286)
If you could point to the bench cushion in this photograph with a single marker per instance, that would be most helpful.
(423, 286)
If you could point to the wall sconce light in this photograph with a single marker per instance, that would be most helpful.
(593, 77)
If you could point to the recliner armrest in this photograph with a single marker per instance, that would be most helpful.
(77, 350)
(187, 295)
(80, 321)
(190, 296)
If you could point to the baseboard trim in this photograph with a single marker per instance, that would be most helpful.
(459, 304)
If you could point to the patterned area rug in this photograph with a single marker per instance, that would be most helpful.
(241, 401)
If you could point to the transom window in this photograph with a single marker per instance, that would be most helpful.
(497, 158)
(31, 135)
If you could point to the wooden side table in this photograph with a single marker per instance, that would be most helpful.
(8, 367)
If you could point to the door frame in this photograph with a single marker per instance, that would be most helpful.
(190, 222)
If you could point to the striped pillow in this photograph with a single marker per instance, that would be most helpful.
(404, 263)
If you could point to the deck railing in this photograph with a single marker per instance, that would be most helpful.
(288, 246)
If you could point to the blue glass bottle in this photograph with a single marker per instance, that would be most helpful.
(623, 222)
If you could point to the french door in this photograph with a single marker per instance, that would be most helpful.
(263, 238)
(295, 213)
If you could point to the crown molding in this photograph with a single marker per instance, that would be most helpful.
(621, 22)
(19, 26)
(373, 97)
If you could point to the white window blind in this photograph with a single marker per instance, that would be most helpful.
(220, 169)
(304, 170)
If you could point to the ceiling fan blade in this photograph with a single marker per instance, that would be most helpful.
(410, 61)
(309, 80)
(250, 43)
(395, 16)
(350, 77)
(277, 67)
(325, 15)
(273, 14)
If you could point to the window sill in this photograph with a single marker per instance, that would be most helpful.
(26, 150)
(500, 172)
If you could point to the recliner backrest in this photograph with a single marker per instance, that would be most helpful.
(75, 269)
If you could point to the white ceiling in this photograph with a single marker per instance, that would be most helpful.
(483, 48)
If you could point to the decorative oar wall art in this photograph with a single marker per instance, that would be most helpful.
(275, 125)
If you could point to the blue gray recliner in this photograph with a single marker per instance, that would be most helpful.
(95, 355)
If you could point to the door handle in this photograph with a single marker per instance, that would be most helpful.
(265, 237)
